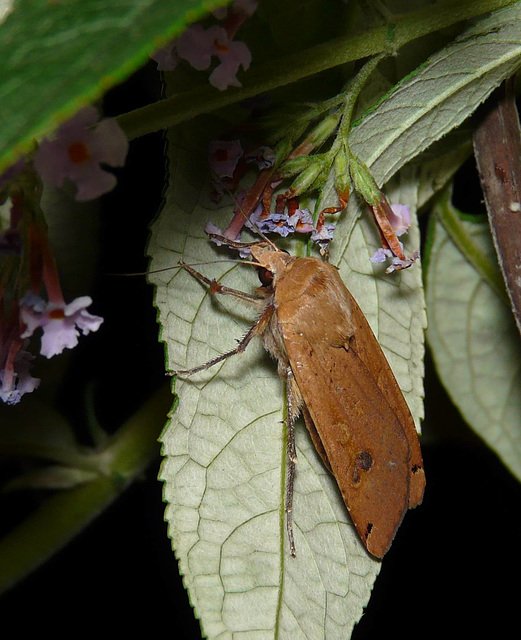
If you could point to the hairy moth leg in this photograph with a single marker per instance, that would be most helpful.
(256, 330)
(292, 415)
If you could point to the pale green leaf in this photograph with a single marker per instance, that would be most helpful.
(225, 467)
(474, 340)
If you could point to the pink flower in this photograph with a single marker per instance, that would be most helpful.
(224, 156)
(60, 322)
(246, 7)
(197, 45)
(77, 150)
(400, 219)
(232, 55)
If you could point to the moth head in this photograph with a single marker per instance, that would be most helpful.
(273, 261)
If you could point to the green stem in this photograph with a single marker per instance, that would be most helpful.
(67, 513)
(280, 72)
(449, 217)
(352, 94)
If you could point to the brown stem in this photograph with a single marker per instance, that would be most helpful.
(497, 148)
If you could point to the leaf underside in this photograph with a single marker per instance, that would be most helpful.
(475, 342)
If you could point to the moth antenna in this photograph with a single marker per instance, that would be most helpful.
(180, 266)
(233, 243)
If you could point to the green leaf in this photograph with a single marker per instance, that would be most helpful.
(441, 94)
(59, 56)
(474, 339)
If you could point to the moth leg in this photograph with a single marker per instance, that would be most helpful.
(260, 325)
(293, 411)
(217, 287)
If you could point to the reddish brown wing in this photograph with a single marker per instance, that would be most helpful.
(361, 429)
(365, 344)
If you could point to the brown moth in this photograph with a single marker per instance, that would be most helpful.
(338, 377)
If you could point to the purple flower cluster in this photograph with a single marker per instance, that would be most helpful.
(21, 317)
(283, 224)
(198, 46)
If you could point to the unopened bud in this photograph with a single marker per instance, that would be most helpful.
(363, 182)
(294, 165)
(342, 178)
(305, 179)
(324, 129)
(282, 150)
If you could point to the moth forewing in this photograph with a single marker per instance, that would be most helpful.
(352, 404)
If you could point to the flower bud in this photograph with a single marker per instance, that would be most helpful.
(324, 129)
(305, 179)
(363, 182)
(342, 178)
(294, 165)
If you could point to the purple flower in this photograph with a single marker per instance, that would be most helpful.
(398, 264)
(400, 219)
(300, 221)
(211, 229)
(18, 381)
(232, 55)
(60, 323)
(78, 149)
(382, 255)
(323, 236)
(197, 45)
(224, 156)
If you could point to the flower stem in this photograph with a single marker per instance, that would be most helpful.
(449, 217)
(68, 512)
